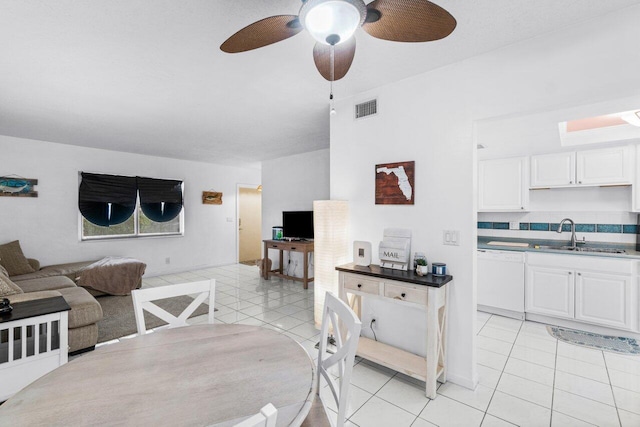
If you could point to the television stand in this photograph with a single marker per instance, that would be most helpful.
(303, 246)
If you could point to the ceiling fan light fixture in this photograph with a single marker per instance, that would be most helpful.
(332, 22)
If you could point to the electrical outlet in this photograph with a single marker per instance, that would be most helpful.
(451, 237)
(514, 225)
(229, 219)
(167, 260)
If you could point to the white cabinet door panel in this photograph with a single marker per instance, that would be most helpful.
(503, 184)
(604, 299)
(553, 170)
(606, 166)
(549, 291)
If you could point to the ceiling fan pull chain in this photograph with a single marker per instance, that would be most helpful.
(332, 59)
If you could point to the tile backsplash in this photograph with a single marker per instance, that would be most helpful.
(549, 226)
(590, 226)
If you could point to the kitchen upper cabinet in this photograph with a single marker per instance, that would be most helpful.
(549, 291)
(607, 166)
(604, 299)
(553, 170)
(635, 204)
(503, 185)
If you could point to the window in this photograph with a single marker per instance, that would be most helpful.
(119, 206)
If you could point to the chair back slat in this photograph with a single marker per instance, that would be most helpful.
(345, 325)
(143, 301)
(267, 417)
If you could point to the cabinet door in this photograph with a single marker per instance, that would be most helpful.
(604, 299)
(636, 183)
(549, 291)
(553, 170)
(503, 185)
(608, 166)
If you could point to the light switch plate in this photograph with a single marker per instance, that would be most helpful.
(451, 237)
(514, 225)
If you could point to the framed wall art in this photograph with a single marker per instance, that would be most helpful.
(211, 198)
(395, 183)
(14, 186)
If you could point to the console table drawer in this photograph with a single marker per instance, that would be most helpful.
(281, 246)
(405, 293)
(358, 283)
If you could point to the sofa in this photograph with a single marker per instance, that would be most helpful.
(22, 279)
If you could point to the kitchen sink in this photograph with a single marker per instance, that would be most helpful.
(586, 249)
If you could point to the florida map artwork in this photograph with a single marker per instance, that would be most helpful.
(395, 183)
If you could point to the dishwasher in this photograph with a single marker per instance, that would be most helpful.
(501, 282)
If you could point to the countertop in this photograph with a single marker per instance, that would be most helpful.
(631, 252)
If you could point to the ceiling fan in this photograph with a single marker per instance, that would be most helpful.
(332, 24)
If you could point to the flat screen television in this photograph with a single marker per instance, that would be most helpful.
(297, 224)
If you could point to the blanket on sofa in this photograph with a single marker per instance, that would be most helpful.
(113, 275)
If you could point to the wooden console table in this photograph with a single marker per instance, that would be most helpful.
(427, 293)
(304, 246)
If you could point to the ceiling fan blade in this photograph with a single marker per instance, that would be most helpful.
(262, 33)
(343, 57)
(408, 21)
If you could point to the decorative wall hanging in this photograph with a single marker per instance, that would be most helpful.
(395, 183)
(211, 198)
(15, 186)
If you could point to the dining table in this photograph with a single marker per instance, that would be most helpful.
(201, 375)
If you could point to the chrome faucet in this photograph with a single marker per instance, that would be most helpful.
(573, 231)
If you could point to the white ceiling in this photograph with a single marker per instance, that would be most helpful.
(147, 76)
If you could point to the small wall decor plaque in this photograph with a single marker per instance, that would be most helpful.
(211, 198)
(14, 186)
(395, 183)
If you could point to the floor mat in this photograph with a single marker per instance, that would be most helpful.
(620, 345)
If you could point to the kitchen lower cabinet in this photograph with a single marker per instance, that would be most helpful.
(604, 299)
(601, 291)
(550, 291)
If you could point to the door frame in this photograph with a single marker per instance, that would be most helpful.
(238, 187)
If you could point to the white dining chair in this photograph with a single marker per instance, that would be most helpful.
(342, 322)
(142, 301)
(265, 418)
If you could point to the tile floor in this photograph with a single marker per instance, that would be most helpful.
(527, 377)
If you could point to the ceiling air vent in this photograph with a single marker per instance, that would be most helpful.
(365, 109)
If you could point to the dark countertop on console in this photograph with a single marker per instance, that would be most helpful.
(399, 275)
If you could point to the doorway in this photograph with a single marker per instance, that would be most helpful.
(249, 224)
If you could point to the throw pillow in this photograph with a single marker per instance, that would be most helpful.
(7, 287)
(13, 260)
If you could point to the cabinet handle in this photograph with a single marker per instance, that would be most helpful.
(570, 273)
(403, 295)
(579, 274)
(359, 285)
(570, 182)
(292, 248)
(522, 207)
(579, 182)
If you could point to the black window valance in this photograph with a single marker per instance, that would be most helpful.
(107, 199)
(160, 199)
(111, 199)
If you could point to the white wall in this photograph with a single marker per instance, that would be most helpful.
(292, 184)
(430, 119)
(47, 226)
